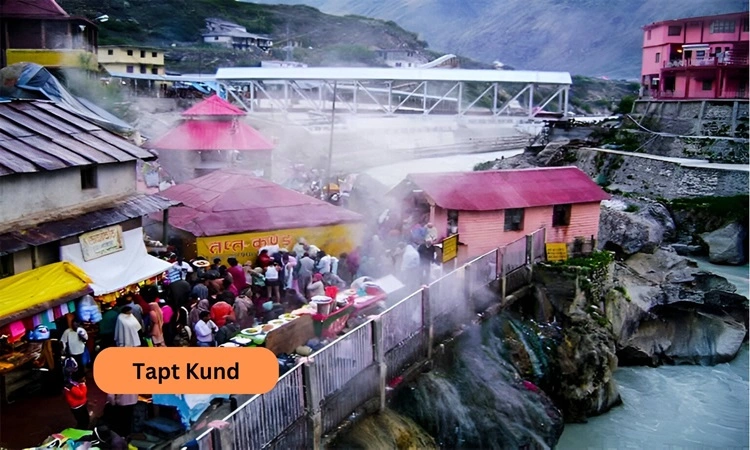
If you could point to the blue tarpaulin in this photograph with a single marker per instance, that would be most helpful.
(190, 406)
(32, 81)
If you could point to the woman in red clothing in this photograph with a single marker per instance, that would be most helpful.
(264, 259)
(76, 394)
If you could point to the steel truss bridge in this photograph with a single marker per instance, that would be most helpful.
(389, 91)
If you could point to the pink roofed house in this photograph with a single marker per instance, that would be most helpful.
(490, 209)
(696, 58)
(213, 136)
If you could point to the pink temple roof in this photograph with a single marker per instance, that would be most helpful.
(233, 201)
(212, 135)
(502, 189)
(213, 106)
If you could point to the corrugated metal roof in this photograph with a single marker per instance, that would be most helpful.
(212, 135)
(389, 74)
(130, 207)
(502, 189)
(234, 201)
(33, 8)
(37, 136)
(213, 106)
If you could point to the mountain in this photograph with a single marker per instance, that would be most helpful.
(588, 37)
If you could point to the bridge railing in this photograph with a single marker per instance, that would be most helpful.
(314, 398)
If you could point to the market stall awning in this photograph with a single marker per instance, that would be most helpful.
(115, 271)
(38, 290)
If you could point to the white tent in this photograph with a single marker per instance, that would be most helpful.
(114, 271)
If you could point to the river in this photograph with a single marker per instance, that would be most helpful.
(675, 407)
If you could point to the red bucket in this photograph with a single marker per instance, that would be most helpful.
(331, 291)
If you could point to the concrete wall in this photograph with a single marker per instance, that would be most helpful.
(30, 194)
(663, 179)
(695, 117)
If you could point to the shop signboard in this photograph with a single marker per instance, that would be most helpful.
(98, 243)
(450, 248)
(557, 251)
(333, 239)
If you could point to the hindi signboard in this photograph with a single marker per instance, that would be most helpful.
(98, 243)
(450, 248)
(557, 251)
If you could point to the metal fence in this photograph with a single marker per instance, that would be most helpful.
(538, 249)
(515, 255)
(345, 374)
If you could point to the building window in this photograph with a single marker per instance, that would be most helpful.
(561, 215)
(674, 30)
(143, 68)
(648, 35)
(155, 71)
(746, 25)
(700, 54)
(130, 52)
(708, 85)
(88, 178)
(153, 54)
(143, 53)
(110, 52)
(452, 222)
(722, 26)
(129, 69)
(216, 38)
(658, 56)
(6, 265)
(514, 219)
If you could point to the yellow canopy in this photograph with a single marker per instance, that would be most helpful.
(37, 290)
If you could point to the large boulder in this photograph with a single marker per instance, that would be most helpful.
(632, 226)
(726, 245)
(667, 310)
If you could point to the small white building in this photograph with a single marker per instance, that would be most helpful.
(402, 57)
(231, 35)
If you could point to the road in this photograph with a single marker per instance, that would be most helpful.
(684, 162)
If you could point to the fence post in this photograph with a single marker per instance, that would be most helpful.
(379, 344)
(530, 253)
(312, 398)
(427, 320)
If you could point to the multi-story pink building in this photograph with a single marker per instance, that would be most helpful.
(696, 58)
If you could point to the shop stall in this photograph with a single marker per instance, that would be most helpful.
(230, 212)
(116, 261)
(29, 301)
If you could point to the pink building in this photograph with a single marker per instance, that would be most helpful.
(696, 58)
(489, 209)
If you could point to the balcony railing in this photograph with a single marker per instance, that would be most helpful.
(677, 94)
(731, 61)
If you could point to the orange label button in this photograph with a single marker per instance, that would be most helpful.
(185, 370)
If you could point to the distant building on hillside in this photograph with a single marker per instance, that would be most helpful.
(401, 57)
(42, 32)
(231, 35)
(127, 59)
(696, 58)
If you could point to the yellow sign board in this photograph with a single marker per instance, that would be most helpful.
(557, 251)
(333, 239)
(450, 248)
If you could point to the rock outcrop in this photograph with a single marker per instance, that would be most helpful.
(726, 245)
(631, 226)
(664, 309)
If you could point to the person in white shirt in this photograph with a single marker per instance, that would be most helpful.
(205, 329)
(74, 343)
(184, 267)
(410, 266)
(324, 263)
(272, 282)
(127, 328)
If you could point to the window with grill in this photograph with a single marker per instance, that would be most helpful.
(707, 85)
(110, 52)
(514, 219)
(130, 52)
(153, 54)
(561, 215)
(143, 53)
(722, 26)
(155, 70)
(674, 30)
(658, 57)
(129, 69)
